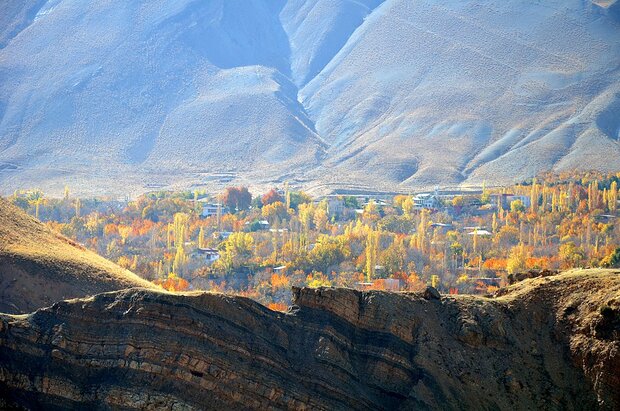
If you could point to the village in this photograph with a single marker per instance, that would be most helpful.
(458, 241)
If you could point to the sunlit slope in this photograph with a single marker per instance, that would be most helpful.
(374, 94)
(39, 267)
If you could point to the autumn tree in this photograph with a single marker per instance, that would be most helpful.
(517, 260)
(236, 198)
(372, 250)
(327, 252)
(394, 257)
(517, 206)
(235, 251)
(274, 212)
(571, 254)
(272, 196)
(613, 260)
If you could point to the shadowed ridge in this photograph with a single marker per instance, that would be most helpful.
(549, 343)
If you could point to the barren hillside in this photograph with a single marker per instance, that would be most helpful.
(39, 267)
(550, 343)
(326, 94)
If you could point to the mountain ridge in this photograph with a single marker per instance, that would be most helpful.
(325, 94)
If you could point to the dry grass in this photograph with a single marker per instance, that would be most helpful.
(39, 266)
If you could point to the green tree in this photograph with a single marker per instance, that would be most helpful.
(235, 251)
(613, 260)
(517, 206)
(372, 249)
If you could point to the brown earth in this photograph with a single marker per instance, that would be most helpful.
(550, 343)
(39, 267)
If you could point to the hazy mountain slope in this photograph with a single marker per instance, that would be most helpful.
(39, 267)
(383, 94)
(16, 15)
(454, 90)
(150, 87)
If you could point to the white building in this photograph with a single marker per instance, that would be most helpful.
(426, 201)
(209, 254)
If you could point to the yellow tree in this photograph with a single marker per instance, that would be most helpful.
(78, 207)
(517, 259)
(201, 238)
(408, 206)
(320, 219)
(372, 246)
(612, 197)
(180, 228)
(180, 258)
(421, 234)
(534, 193)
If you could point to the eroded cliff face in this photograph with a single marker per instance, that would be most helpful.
(550, 343)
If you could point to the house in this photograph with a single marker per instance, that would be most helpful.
(429, 201)
(604, 218)
(481, 233)
(257, 225)
(335, 204)
(222, 235)
(442, 227)
(209, 254)
(210, 210)
(504, 200)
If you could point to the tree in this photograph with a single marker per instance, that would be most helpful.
(371, 212)
(517, 206)
(275, 212)
(571, 255)
(612, 197)
(394, 257)
(320, 219)
(408, 206)
(297, 198)
(517, 259)
(235, 251)
(327, 252)
(272, 196)
(201, 238)
(149, 213)
(372, 249)
(613, 260)
(236, 198)
(78, 207)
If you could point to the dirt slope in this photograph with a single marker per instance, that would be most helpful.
(39, 267)
(551, 343)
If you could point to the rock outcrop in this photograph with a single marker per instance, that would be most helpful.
(550, 343)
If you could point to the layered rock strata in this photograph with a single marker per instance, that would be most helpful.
(549, 343)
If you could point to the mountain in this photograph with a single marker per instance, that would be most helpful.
(327, 94)
(547, 343)
(39, 267)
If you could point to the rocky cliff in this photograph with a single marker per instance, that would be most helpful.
(548, 343)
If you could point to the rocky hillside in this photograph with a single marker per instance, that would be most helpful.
(39, 267)
(549, 343)
(326, 94)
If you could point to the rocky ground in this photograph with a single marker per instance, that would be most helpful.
(548, 343)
